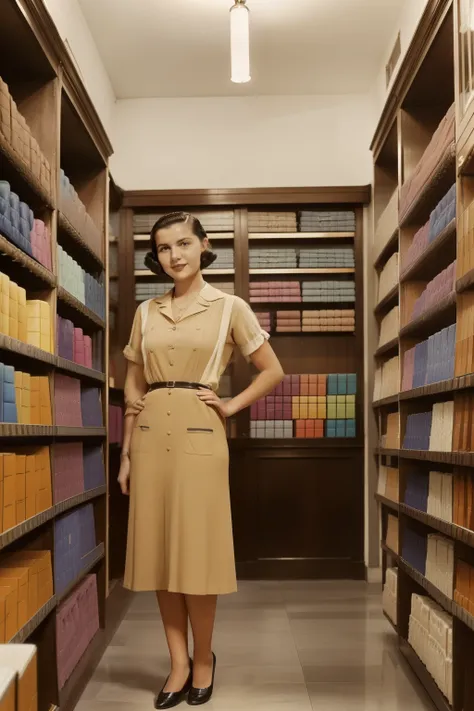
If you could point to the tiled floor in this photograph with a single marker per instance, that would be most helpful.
(280, 647)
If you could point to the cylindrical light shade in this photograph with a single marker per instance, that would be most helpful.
(240, 43)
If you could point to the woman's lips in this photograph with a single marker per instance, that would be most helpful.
(179, 267)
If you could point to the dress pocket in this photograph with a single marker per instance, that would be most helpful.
(199, 440)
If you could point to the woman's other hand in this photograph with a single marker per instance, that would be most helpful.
(124, 475)
(213, 400)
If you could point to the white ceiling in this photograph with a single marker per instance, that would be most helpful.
(172, 48)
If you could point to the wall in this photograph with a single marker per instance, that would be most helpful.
(72, 27)
(408, 21)
(242, 142)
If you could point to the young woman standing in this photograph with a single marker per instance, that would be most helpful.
(175, 459)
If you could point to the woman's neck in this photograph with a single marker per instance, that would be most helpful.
(190, 286)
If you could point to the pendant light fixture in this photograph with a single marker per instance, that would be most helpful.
(240, 42)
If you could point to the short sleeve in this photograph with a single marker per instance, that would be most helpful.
(246, 331)
(133, 351)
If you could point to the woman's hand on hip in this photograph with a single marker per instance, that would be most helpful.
(210, 398)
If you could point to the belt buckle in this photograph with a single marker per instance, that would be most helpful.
(171, 384)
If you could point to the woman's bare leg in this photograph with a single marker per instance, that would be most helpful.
(202, 613)
(175, 621)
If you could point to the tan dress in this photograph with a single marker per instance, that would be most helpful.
(180, 528)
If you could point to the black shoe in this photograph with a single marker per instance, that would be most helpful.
(169, 699)
(196, 697)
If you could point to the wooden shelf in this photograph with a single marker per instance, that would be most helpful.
(389, 347)
(437, 256)
(463, 382)
(80, 370)
(76, 237)
(299, 235)
(302, 305)
(26, 262)
(463, 615)
(34, 623)
(80, 432)
(31, 524)
(455, 532)
(302, 272)
(95, 557)
(460, 459)
(213, 237)
(387, 452)
(12, 345)
(207, 272)
(80, 309)
(388, 302)
(424, 676)
(23, 170)
(439, 316)
(433, 191)
(78, 500)
(394, 505)
(387, 250)
(391, 400)
(465, 282)
(389, 551)
(33, 431)
(438, 596)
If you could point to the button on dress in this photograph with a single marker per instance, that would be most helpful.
(180, 527)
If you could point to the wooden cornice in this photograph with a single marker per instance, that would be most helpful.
(431, 19)
(351, 195)
(48, 36)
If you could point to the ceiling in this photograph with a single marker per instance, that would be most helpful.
(180, 48)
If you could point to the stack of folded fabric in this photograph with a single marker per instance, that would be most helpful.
(265, 320)
(225, 258)
(329, 291)
(17, 133)
(211, 220)
(75, 545)
(77, 623)
(414, 549)
(94, 472)
(67, 399)
(68, 470)
(8, 404)
(115, 424)
(275, 291)
(443, 214)
(388, 277)
(288, 321)
(417, 432)
(430, 361)
(272, 222)
(83, 286)
(74, 210)
(39, 325)
(32, 399)
(150, 290)
(32, 492)
(441, 147)
(418, 245)
(272, 258)
(16, 218)
(417, 490)
(91, 407)
(438, 288)
(139, 257)
(329, 320)
(321, 257)
(327, 221)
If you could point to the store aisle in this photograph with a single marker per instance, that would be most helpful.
(289, 646)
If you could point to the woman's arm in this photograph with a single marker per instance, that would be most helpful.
(270, 375)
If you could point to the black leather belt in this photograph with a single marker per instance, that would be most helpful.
(178, 384)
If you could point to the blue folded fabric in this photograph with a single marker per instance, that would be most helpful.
(9, 395)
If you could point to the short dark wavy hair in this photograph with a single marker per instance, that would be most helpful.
(172, 218)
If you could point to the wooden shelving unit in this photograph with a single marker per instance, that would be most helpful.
(428, 84)
(255, 462)
(49, 94)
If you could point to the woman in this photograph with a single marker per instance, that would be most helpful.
(175, 453)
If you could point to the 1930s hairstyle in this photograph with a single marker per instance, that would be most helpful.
(172, 218)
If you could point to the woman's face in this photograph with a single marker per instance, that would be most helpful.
(179, 251)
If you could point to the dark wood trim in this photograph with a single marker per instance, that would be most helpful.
(47, 34)
(302, 569)
(349, 195)
(431, 19)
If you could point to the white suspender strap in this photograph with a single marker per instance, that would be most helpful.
(216, 356)
(144, 314)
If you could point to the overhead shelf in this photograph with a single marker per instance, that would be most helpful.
(463, 382)
(439, 316)
(394, 505)
(386, 348)
(387, 250)
(299, 235)
(87, 315)
(302, 272)
(76, 237)
(390, 400)
(388, 301)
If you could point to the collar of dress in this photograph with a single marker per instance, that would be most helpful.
(206, 296)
